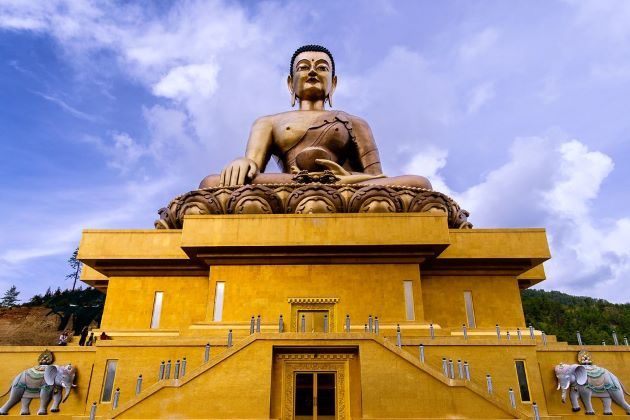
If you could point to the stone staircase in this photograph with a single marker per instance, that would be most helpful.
(286, 339)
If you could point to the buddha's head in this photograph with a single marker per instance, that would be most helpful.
(312, 74)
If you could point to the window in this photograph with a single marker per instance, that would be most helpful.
(521, 374)
(218, 301)
(108, 385)
(157, 310)
(409, 310)
(470, 309)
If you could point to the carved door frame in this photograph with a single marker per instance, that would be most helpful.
(314, 304)
(314, 363)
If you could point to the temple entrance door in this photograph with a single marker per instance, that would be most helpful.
(315, 395)
(313, 320)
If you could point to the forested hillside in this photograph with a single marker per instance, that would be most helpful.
(562, 315)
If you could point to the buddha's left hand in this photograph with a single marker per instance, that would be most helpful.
(346, 177)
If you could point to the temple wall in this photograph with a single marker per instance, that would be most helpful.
(238, 387)
(496, 300)
(129, 303)
(362, 290)
(487, 356)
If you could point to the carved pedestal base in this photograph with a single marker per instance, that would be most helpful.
(310, 198)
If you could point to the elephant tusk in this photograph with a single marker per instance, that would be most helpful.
(558, 389)
(567, 385)
(74, 385)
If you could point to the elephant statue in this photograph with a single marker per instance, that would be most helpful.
(43, 382)
(588, 381)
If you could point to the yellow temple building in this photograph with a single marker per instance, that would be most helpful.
(315, 299)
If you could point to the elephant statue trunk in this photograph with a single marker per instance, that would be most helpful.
(587, 381)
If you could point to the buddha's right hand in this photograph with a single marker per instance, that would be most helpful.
(238, 172)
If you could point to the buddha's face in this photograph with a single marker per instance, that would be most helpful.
(312, 77)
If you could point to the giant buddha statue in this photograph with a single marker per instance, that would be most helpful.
(312, 138)
(329, 162)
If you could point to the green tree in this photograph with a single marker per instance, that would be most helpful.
(10, 298)
(76, 268)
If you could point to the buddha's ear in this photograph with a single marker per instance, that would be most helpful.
(290, 86)
(333, 86)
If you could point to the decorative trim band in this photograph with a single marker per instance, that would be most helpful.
(312, 300)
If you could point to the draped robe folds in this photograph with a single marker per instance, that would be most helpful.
(334, 134)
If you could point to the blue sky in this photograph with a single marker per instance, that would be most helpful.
(517, 109)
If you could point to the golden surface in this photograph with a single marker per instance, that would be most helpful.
(380, 379)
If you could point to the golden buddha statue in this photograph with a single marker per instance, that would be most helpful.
(311, 139)
(329, 160)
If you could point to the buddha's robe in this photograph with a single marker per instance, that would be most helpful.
(331, 137)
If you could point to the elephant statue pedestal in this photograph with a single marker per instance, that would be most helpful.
(588, 381)
(44, 382)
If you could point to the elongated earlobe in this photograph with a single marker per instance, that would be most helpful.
(293, 100)
(329, 99)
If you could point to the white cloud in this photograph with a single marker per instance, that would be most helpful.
(478, 44)
(429, 162)
(479, 96)
(578, 178)
(187, 81)
(552, 184)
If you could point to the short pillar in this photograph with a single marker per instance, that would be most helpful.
(347, 323)
(519, 335)
(139, 384)
(229, 339)
(206, 355)
(460, 369)
(161, 371)
(535, 410)
(177, 367)
(615, 340)
(507, 335)
(303, 324)
(603, 343)
(258, 324)
(579, 338)
(116, 398)
(512, 398)
(498, 331)
(466, 370)
(465, 331)
(376, 325)
(252, 325)
(544, 338)
(325, 323)
(421, 351)
(625, 340)
(451, 369)
(167, 372)
(280, 324)
(398, 336)
(93, 411)
(431, 331)
(531, 332)
(445, 366)
(183, 367)
(370, 323)
(489, 383)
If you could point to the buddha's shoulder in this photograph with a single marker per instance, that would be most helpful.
(290, 115)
